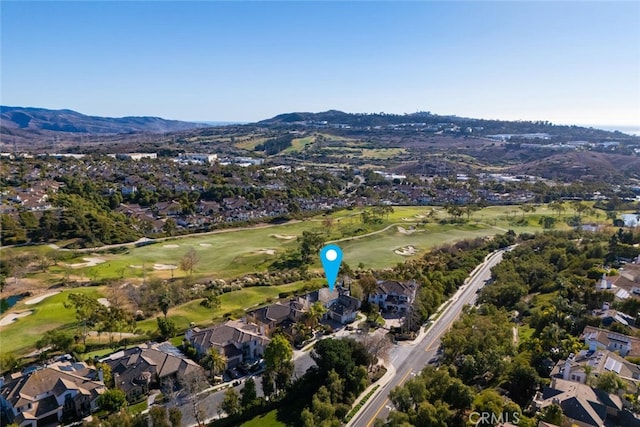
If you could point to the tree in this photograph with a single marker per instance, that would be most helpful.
(558, 207)
(175, 417)
(112, 400)
(523, 382)
(214, 361)
(368, 284)
(164, 302)
(8, 362)
(170, 227)
(166, 327)
(159, 416)
(610, 382)
(107, 375)
(310, 244)
(248, 393)
(193, 384)
(231, 402)
(57, 340)
(315, 313)
(553, 414)
(88, 312)
(378, 346)
(267, 383)
(277, 357)
(189, 261)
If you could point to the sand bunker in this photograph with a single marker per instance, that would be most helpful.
(12, 317)
(420, 216)
(406, 251)
(40, 298)
(89, 262)
(135, 266)
(164, 267)
(170, 246)
(104, 302)
(266, 251)
(283, 236)
(206, 245)
(405, 231)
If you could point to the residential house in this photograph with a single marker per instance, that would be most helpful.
(239, 341)
(340, 305)
(608, 316)
(591, 364)
(603, 339)
(280, 314)
(583, 405)
(394, 296)
(171, 208)
(60, 391)
(139, 369)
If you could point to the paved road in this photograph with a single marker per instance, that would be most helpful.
(408, 360)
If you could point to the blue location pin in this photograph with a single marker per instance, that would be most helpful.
(331, 257)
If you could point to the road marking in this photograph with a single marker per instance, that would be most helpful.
(384, 404)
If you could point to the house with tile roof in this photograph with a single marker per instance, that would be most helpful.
(603, 339)
(139, 369)
(581, 404)
(394, 296)
(42, 397)
(240, 342)
(591, 364)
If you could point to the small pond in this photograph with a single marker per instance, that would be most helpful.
(7, 303)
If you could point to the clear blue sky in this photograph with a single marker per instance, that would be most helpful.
(567, 62)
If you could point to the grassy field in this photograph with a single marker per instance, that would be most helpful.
(231, 301)
(231, 253)
(47, 315)
(299, 144)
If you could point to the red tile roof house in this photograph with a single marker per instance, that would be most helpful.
(46, 396)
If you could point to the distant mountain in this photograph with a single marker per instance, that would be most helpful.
(68, 121)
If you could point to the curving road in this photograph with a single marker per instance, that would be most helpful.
(409, 360)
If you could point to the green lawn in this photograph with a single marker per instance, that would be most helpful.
(270, 419)
(47, 315)
(245, 298)
(231, 253)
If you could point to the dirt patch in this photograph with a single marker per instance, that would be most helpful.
(89, 262)
(170, 246)
(40, 298)
(406, 251)
(12, 317)
(283, 236)
(164, 267)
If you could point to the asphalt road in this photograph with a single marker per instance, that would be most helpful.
(408, 360)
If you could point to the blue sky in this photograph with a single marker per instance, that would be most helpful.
(567, 62)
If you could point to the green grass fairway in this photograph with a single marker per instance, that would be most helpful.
(230, 253)
(192, 311)
(48, 314)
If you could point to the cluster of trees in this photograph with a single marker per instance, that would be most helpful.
(548, 283)
(275, 145)
(341, 375)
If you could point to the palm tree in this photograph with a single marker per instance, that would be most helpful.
(315, 313)
(214, 361)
